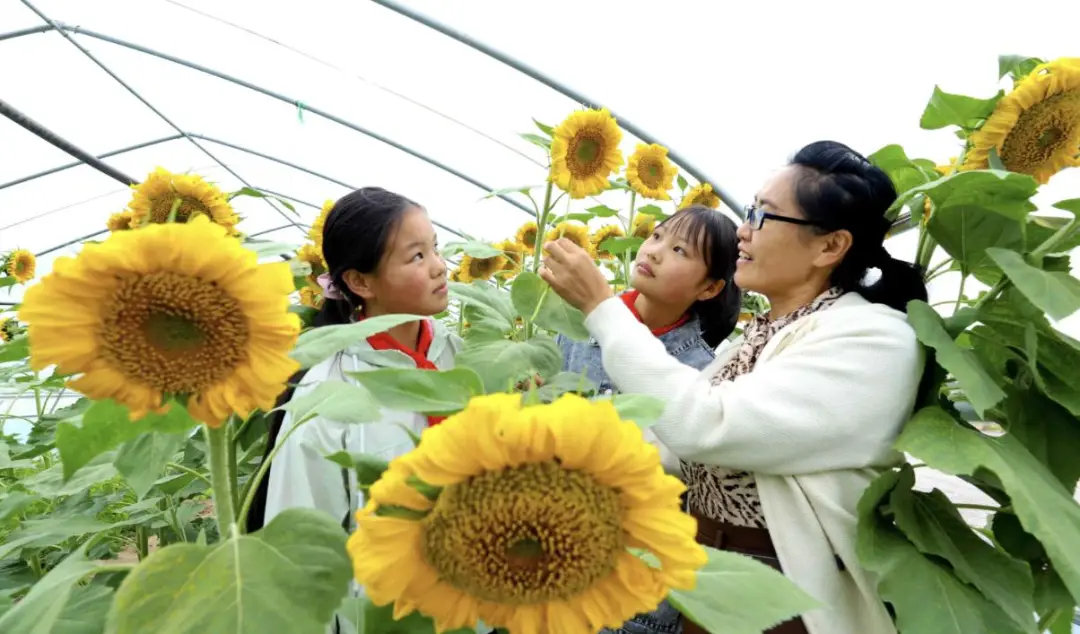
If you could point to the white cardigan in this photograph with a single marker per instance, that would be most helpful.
(815, 421)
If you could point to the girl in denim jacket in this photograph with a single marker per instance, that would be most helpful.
(683, 291)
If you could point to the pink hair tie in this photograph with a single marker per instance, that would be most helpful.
(329, 290)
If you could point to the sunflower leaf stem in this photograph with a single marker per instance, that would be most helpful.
(256, 478)
(217, 440)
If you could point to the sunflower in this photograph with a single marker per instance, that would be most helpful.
(120, 221)
(584, 152)
(515, 254)
(310, 297)
(21, 265)
(455, 275)
(700, 195)
(315, 233)
(604, 233)
(311, 254)
(153, 200)
(169, 310)
(574, 232)
(643, 226)
(1035, 129)
(472, 268)
(928, 208)
(649, 171)
(526, 236)
(523, 518)
(947, 168)
(5, 336)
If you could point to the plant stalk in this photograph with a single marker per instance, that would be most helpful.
(629, 233)
(217, 440)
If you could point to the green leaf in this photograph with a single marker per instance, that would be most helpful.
(1048, 431)
(537, 140)
(287, 577)
(621, 245)
(1058, 294)
(936, 528)
(43, 607)
(945, 109)
(546, 129)
(554, 314)
(425, 391)
(7, 281)
(1005, 193)
(52, 482)
(524, 189)
(904, 173)
(643, 410)
(337, 401)
(142, 459)
(319, 344)
(1018, 66)
(681, 182)
(1071, 205)
(927, 596)
(472, 247)
(603, 211)
(502, 363)
(85, 610)
(979, 386)
(736, 594)
(254, 193)
(652, 210)
(369, 618)
(16, 349)
(368, 468)
(106, 426)
(994, 160)
(14, 503)
(564, 382)
(1045, 508)
(270, 249)
(487, 298)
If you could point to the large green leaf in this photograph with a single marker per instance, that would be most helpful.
(1045, 508)
(287, 577)
(368, 468)
(106, 425)
(946, 109)
(554, 314)
(54, 529)
(369, 618)
(643, 410)
(1048, 431)
(486, 298)
(17, 348)
(319, 344)
(927, 595)
(1057, 293)
(904, 173)
(142, 459)
(936, 528)
(501, 363)
(43, 609)
(1018, 66)
(564, 382)
(980, 387)
(736, 594)
(52, 482)
(335, 400)
(471, 247)
(426, 391)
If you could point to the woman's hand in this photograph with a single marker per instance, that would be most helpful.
(573, 275)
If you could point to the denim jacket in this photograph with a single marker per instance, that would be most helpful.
(685, 344)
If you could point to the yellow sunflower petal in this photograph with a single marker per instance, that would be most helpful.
(700, 195)
(585, 152)
(649, 172)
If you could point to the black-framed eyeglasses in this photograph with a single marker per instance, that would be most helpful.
(756, 217)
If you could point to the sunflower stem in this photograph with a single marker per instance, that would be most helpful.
(175, 208)
(538, 244)
(256, 478)
(217, 440)
(629, 232)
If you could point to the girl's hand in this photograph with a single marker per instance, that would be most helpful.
(574, 276)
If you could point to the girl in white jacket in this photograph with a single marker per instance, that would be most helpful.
(382, 258)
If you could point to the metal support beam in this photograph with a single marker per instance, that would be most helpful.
(550, 82)
(67, 36)
(65, 166)
(35, 128)
(21, 32)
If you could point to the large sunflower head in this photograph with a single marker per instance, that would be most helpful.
(649, 172)
(515, 254)
(700, 195)
(21, 265)
(524, 518)
(315, 233)
(643, 226)
(169, 310)
(120, 221)
(153, 200)
(473, 268)
(574, 232)
(1035, 129)
(604, 233)
(526, 236)
(585, 152)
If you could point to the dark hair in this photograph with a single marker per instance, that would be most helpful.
(840, 189)
(714, 233)
(355, 235)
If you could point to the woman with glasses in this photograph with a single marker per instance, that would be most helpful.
(780, 436)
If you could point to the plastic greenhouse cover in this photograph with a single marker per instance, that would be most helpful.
(733, 88)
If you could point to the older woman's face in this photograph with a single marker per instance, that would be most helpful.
(781, 255)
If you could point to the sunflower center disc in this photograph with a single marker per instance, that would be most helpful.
(529, 534)
(174, 332)
(586, 152)
(651, 173)
(1044, 131)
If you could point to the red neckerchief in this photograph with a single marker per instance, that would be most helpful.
(383, 341)
(630, 297)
